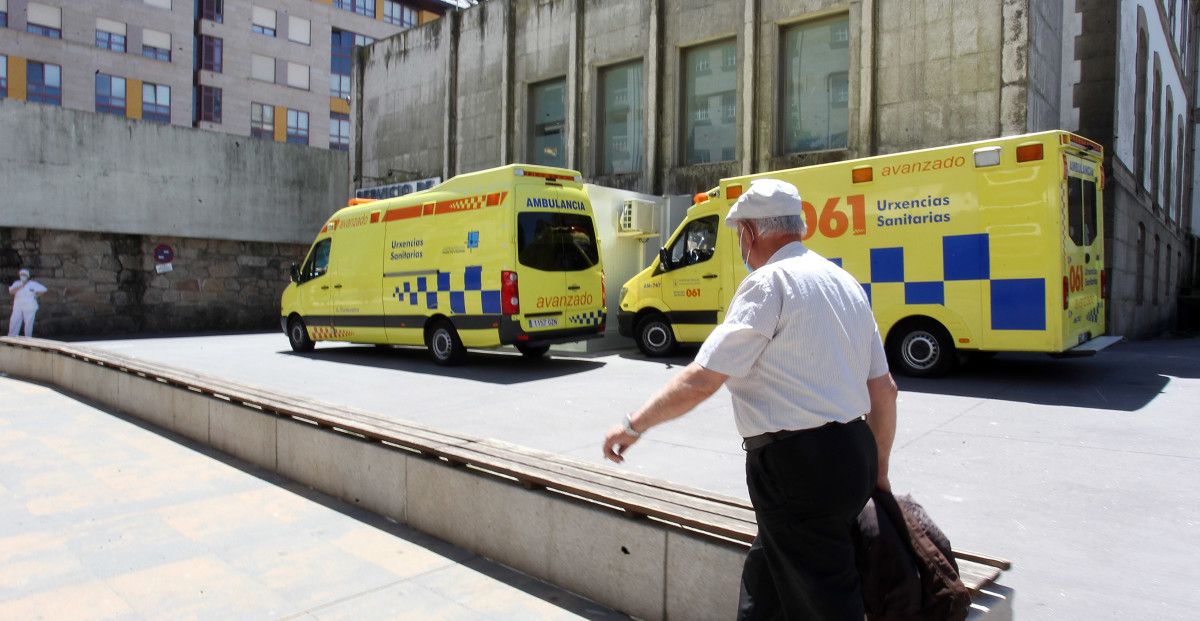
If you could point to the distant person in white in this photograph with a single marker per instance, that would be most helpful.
(25, 294)
(813, 400)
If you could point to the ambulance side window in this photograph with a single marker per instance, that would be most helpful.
(696, 244)
(318, 261)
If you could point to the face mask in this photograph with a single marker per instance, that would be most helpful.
(24, 277)
(746, 252)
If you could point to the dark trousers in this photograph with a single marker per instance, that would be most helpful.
(807, 490)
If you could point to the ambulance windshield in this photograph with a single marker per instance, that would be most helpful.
(556, 242)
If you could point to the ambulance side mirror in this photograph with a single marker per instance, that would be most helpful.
(664, 259)
(295, 273)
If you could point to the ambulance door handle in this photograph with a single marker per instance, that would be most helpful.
(573, 288)
(324, 286)
(710, 276)
(337, 286)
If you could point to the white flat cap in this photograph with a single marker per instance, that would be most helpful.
(766, 198)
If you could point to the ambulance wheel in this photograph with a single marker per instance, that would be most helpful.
(444, 345)
(655, 337)
(532, 351)
(298, 335)
(922, 348)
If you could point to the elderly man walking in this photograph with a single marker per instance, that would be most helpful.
(813, 400)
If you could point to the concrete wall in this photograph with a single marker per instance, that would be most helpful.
(1045, 64)
(80, 171)
(106, 283)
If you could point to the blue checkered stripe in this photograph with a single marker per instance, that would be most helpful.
(448, 291)
(1017, 303)
(590, 318)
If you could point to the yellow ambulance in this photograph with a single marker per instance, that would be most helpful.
(989, 246)
(501, 256)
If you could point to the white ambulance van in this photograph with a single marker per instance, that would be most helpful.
(506, 256)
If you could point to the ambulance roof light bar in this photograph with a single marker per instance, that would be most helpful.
(520, 172)
(987, 156)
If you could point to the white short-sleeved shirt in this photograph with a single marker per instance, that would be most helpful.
(798, 343)
(26, 298)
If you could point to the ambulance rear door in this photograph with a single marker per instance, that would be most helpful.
(1083, 252)
(560, 278)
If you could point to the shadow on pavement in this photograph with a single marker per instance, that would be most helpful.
(481, 366)
(1125, 377)
(565, 600)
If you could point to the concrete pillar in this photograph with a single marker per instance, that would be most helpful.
(865, 142)
(749, 66)
(506, 83)
(654, 87)
(450, 133)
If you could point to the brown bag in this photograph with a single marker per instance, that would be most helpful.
(907, 568)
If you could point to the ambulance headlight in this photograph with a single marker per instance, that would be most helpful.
(624, 292)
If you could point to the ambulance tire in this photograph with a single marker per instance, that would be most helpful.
(444, 345)
(532, 352)
(921, 348)
(298, 336)
(655, 337)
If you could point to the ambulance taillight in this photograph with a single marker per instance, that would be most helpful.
(1066, 292)
(1103, 284)
(1029, 152)
(510, 295)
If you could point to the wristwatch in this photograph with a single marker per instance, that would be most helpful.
(627, 427)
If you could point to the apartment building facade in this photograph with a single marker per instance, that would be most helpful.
(272, 69)
(669, 96)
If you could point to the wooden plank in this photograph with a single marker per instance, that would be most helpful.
(975, 575)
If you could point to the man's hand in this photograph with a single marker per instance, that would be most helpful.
(616, 442)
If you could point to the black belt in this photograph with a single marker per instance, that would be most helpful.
(753, 443)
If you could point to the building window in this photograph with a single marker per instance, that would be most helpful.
(1157, 260)
(211, 53)
(262, 21)
(362, 7)
(341, 62)
(297, 75)
(620, 139)
(297, 127)
(299, 29)
(3, 13)
(44, 83)
(1139, 109)
(399, 15)
(1182, 178)
(210, 104)
(212, 10)
(709, 102)
(339, 131)
(43, 20)
(262, 121)
(548, 121)
(110, 94)
(815, 84)
(3, 76)
(1140, 292)
(156, 103)
(1155, 132)
(1168, 155)
(262, 68)
(110, 35)
(156, 45)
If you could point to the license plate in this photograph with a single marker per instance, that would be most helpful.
(547, 322)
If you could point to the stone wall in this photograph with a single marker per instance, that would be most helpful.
(106, 283)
